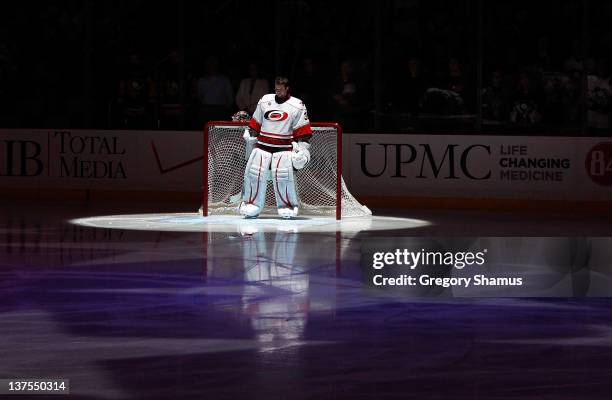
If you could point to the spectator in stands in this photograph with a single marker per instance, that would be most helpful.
(572, 82)
(345, 96)
(170, 84)
(251, 90)
(452, 96)
(345, 87)
(599, 98)
(409, 88)
(135, 94)
(557, 99)
(495, 98)
(526, 101)
(311, 87)
(214, 92)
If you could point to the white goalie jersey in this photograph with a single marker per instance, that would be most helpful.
(278, 124)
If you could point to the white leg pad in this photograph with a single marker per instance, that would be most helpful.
(285, 192)
(255, 182)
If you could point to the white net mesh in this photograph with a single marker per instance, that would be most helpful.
(316, 183)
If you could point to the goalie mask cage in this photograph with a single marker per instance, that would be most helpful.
(320, 186)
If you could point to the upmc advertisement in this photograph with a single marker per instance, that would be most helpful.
(480, 166)
(545, 168)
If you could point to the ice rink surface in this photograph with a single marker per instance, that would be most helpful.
(151, 302)
(193, 222)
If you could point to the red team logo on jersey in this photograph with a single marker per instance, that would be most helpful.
(276, 115)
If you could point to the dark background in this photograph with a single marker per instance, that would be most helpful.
(509, 67)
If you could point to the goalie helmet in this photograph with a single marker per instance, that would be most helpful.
(241, 116)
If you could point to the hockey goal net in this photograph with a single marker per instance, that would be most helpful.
(320, 186)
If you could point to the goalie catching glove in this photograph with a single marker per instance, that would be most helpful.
(250, 137)
(241, 116)
(300, 155)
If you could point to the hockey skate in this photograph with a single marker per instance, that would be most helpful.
(249, 211)
(288, 213)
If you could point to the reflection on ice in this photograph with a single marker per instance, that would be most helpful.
(270, 264)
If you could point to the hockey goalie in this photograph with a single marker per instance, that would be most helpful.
(277, 144)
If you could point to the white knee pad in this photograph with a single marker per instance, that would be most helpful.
(255, 182)
(285, 192)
